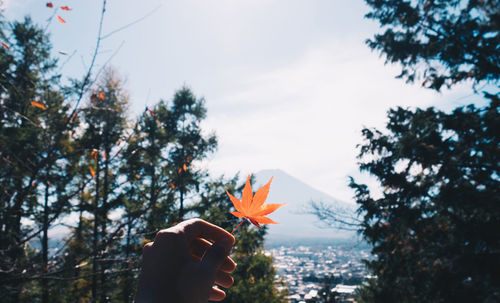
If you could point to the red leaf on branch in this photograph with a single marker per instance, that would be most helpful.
(49, 5)
(65, 8)
(5, 45)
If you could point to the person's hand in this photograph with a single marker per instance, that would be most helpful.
(182, 266)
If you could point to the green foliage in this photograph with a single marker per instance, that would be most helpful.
(434, 229)
(34, 147)
(191, 145)
(443, 42)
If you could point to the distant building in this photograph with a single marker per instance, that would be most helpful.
(345, 292)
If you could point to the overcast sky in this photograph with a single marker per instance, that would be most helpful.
(288, 84)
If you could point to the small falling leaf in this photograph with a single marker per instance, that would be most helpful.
(173, 186)
(137, 176)
(386, 188)
(105, 156)
(151, 112)
(179, 170)
(92, 172)
(252, 207)
(61, 20)
(33, 184)
(101, 95)
(184, 167)
(5, 45)
(49, 5)
(38, 104)
(94, 154)
(65, 8)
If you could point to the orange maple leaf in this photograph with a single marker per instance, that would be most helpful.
(38, 104)
(65, 8)
(101, 95)
(252, 207)
(95, 153)
(61, 19)
(92, 172)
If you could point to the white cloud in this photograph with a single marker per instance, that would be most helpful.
(306, 117)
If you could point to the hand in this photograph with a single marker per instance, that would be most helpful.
(181, 265)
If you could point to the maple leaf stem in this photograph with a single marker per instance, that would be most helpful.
(238, 226)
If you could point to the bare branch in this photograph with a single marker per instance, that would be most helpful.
(334, 216)
(131, 23)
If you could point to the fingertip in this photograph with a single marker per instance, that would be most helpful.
(147, 247)
(216, 294)
(228, 266)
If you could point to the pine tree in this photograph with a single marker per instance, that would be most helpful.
(191, 145)
(434, 230)
(149, 169)
(105, 117)
(439, 42)
(34, 140)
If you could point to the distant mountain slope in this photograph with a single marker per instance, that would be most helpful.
(294, 221)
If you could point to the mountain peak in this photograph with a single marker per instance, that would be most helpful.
(294, 218)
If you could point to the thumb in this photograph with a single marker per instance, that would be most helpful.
(215, 256)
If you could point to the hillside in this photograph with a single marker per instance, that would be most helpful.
(295, 222)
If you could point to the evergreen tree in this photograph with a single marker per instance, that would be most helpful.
(149, 169)
(105, 119)
(434, 230)
(441, 42)
(191, 145)
(34, 142)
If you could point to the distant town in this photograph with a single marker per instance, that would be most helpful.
(313, 272)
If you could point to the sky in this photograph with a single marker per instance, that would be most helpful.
(288, 84)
